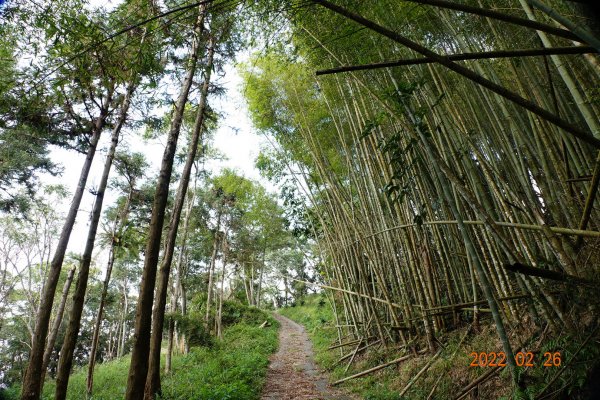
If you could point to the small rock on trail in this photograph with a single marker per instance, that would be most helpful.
(292, 372)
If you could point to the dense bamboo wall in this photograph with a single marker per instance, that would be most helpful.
(427, 185)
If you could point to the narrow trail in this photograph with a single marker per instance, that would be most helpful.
(292, 372)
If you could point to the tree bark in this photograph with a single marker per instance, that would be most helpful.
(219, 318)
(66, 353)
(153, 378)
(32, 380)
(211, 267)
(56, 326)
(138, 368)
(109, 266)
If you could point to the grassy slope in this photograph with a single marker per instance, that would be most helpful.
(232, 369)
(453, 373)
(317, 317)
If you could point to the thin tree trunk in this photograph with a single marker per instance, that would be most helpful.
(138, 368)
(32, 380)
(56, 325)
(109, 266)
(211, 267)
(153, 378)
(260, 278)
(123, 338)
(219, 319)
(66, 353)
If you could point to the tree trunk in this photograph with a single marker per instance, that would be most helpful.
(56, 325)
(138, 368)
(66, 353)
(153, 378)
(123, 338)
(177, 287)
(260, 278)
(211, 268)
(218, 319)
(120, 220)
(33, 375)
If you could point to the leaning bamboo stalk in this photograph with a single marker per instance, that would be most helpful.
(345, 357)
(516, 225)
(467, 73)
(347, 291)
(473, 303)
(497, 15)
(345, 344)
(464, 56)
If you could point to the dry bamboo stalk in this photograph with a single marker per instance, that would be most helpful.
(374, 369)
(345, 357)
(418, 375)
(477, 381)
(559, 230)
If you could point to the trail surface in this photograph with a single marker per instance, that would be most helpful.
(292, 372)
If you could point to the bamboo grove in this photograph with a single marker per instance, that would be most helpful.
(438, 163)
(448, 156)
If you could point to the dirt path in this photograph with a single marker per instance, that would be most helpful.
(292, 371)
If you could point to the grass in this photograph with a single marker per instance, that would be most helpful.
(451, 375)
(232, 369)
(316, 315)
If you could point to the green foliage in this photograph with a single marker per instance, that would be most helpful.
(192, 326)
(232, 369)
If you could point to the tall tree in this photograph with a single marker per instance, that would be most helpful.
(153, 379)
(138, 369)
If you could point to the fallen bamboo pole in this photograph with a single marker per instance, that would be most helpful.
(371, 370)
(350, 354)
(377, 368)
(353, 355)
(344, 344)
(421, 372)
(450, 360)
(477, 381)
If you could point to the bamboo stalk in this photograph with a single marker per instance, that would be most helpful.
(559, 230)
(467, 73)
(374, 369)
(497, 15)
(462, 57)
(418, 375)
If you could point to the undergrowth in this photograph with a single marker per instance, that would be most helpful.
(234, 368)
(448, 375)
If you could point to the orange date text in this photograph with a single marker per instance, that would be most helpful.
(523, 359)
